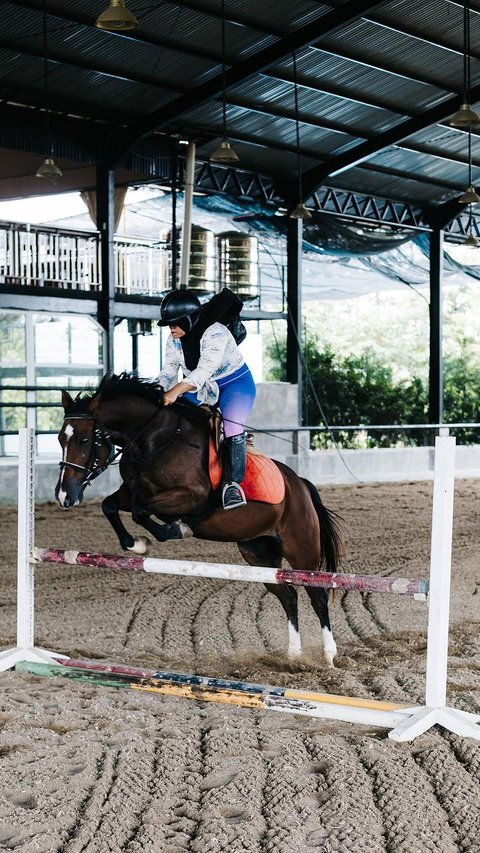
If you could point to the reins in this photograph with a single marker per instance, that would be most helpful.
(93, 469)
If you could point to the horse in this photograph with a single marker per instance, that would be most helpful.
(164, 470)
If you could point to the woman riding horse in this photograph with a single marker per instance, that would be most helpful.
(213, 367)
(165, 476)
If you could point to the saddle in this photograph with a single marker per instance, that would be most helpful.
(263, 480)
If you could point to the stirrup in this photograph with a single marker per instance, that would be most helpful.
(233, 496)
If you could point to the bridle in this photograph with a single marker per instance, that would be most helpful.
(100, 436)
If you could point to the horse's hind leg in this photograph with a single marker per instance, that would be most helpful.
(319, 600)
(266, 551)
(111, 505)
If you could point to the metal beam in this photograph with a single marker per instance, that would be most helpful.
(236, 182)
(36, 299)
(412, 33)
(86, 65)
(278, 111)
(364, 208)
(324, 87)
(328, 23)
(335, 127)
(294, 305)
(105, 218)
(441, 216)
(385, 69)
(85, 20)
(316, 176)
(435, 381)
(67, 106)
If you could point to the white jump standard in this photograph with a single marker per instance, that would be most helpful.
(406, 722)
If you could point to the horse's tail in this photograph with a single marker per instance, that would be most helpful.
(331, 547)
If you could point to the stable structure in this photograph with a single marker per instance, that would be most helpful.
(405, 722)
(347, 105)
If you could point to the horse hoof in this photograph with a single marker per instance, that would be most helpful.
(140, 546)
(294, 655)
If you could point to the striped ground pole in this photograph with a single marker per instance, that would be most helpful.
(225, 571)
(232, 692)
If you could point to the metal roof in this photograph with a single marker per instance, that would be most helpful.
(377, 84)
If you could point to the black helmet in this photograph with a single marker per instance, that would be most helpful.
(179, 305)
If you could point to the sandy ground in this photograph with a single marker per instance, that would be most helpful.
(87, 768)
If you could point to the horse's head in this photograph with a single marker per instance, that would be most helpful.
(87, 450)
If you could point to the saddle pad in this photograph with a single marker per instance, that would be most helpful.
(263, 480)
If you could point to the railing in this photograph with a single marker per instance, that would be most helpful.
(48, 257)
(68, 259)
(44, 256)
(300, 436)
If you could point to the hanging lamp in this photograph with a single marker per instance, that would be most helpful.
(116, 18)
(470, 196)
(224, 153)
(471, 242)
(300, 211)
(48, 169)
(465, 116)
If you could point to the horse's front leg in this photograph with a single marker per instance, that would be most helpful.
(111, 505)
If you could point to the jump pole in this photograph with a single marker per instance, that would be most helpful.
(406, 722)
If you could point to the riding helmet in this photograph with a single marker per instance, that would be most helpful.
(180, 307)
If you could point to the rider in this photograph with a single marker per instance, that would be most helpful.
(213, 369)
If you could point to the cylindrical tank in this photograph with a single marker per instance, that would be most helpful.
(238, 263)
(202, 260)
(202, 267)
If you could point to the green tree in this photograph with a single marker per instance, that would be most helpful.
(461, 393)
(357, 389)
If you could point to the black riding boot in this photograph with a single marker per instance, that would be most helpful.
(235, 464)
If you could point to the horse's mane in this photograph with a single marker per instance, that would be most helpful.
(114, 385)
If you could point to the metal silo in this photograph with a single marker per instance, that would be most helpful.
(238, 263)
(202, 266)
(202, 272)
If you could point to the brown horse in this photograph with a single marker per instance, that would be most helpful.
(164, 468)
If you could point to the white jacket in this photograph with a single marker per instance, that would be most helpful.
(219, 357)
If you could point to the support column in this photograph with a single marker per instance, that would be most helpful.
(105, 225)
(187, 217)
(294, 307)
(435, 387)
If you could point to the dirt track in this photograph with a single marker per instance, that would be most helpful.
(94, 769)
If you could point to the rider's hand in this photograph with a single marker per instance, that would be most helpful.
(170, 397)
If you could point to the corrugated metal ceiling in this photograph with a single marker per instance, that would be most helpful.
(382, 76)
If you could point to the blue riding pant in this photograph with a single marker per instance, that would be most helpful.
(237, 396)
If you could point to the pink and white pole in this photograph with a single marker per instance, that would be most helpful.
(414, 721)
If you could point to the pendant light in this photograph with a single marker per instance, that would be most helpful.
(224, 153)
(300, 211)
(116, 18)
(471, 241)
(469, 196)
(49, 169)
(465, 116)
